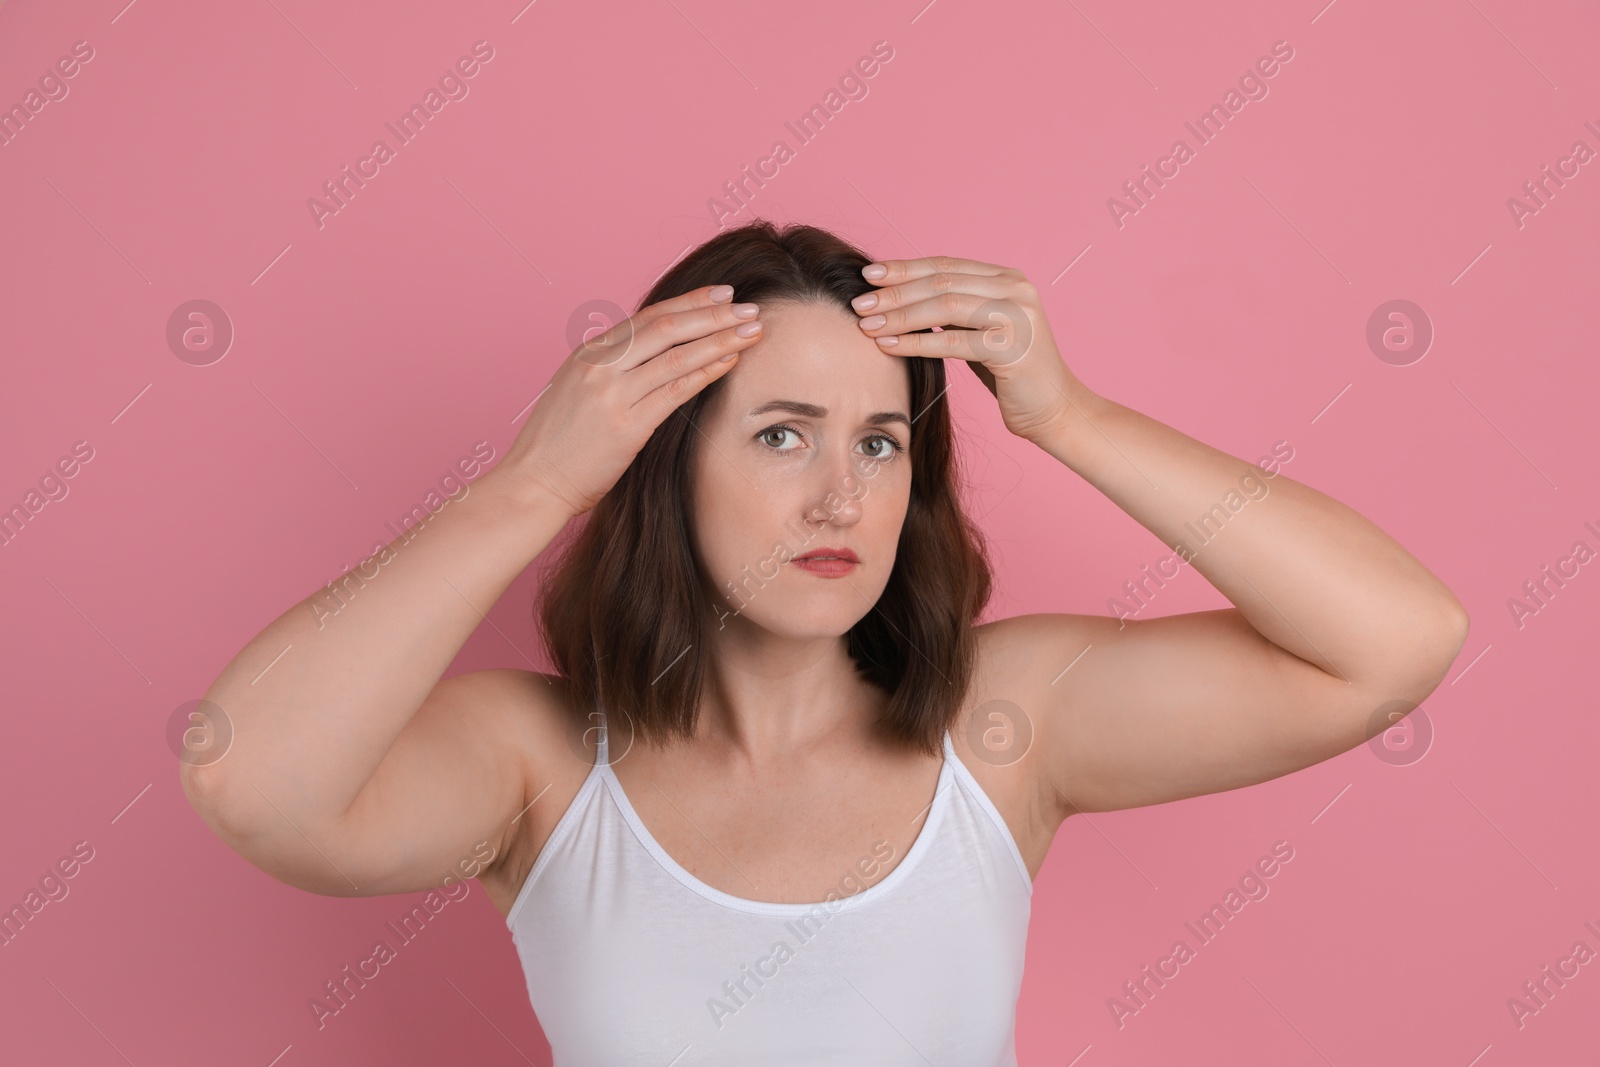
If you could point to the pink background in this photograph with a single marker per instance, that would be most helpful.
(372, 352)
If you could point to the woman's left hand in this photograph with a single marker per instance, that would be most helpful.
(989, 316)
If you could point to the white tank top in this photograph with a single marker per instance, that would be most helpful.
(631, 961)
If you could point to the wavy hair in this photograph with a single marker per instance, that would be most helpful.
(625, 597)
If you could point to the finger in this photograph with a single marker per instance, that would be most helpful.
(655, 329)
(904, 270)
(972, 311)
(661, 402)
(947, 344)
(997, 332)
(928, 287)
(681, 359)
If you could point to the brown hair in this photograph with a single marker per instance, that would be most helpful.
(625, 599)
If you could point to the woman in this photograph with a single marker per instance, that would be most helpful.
(781, 800)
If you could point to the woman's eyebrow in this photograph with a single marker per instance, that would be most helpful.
(816, 411)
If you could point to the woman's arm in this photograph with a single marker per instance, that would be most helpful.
(1307, 572)
(1333, 626)
(1333, 619)
(352, 769)
(1334, 622)
(317, 701)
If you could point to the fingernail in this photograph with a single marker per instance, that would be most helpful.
(872, 322)
(727, 358)
(874, 271)
(745, 311)
(865, 302)
(720, 293)
(888, 340)
(749, 329)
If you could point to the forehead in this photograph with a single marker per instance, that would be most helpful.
(817, 354)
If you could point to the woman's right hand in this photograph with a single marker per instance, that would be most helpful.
(608, 397)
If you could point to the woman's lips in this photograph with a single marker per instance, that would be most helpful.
(826, 568)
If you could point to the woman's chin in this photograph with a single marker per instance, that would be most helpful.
(803, 622)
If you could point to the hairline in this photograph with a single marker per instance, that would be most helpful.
(801, 407)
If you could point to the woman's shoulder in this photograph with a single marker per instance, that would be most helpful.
(536, 716)
(526, 700)
(555, 749)
(998, 733)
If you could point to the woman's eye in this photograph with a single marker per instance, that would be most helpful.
(879, 446)
(884, 447)
(778, 431)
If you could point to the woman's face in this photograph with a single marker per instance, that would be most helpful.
(807, 447)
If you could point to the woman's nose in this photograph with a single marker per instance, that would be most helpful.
(837, 497)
